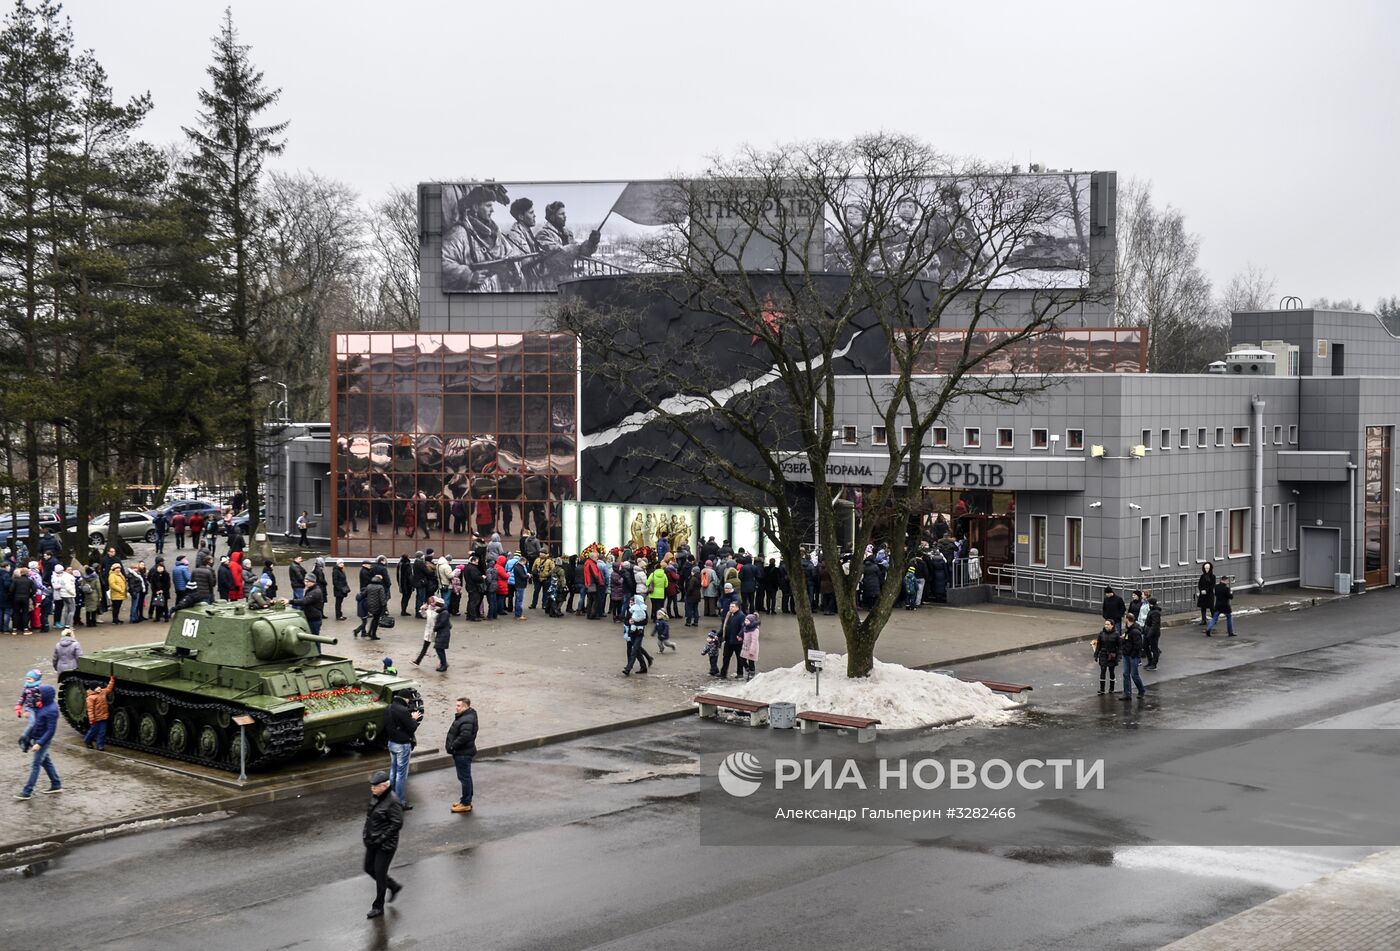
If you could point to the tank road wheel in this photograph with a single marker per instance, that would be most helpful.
(163, 707)
(178, 739)
(148, 729)
(123, 723)
(75, 701)
(210, 742)
(223, 718)
(235, 741)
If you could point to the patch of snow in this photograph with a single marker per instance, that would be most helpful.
(899, 697)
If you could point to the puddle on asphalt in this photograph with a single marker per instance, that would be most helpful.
(1065, 856)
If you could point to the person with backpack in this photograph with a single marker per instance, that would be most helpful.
(1133, 642)
(709, 586)
(1153, 631)
(1106, 650)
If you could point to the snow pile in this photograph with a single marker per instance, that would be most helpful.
(898, 696)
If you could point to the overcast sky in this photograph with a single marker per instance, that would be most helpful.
(1272, 125)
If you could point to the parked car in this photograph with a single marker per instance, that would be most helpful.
(19, 524)
(187, 507)
(134, 526)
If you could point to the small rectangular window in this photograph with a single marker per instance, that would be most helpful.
(1074, 439)
(1218, 537)
(1239, 532)
(1006, 438)
(1220, 435)
(940, 437)
(1166, 439)
(1202, 552)
(907, 436)
(1039, 541)
(1278, 435)
(1276, 542)
(315, 496)
(1201, 438)
(972, 438)
(1145, 543)
(1040, 439)
(1293, 435)
(1292, 526)
(1074, 542)
(848, 435)
(1240, 436)
(1184, 442)
(1147, 439)
(877, 436)
(1166, 530)
(1183, 539)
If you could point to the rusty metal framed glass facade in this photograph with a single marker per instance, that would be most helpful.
(441, 435)
(1086, 350)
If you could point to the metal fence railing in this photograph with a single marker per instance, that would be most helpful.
(1084, 591)
(967, 572)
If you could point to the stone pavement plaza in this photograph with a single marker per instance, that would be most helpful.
(529, 679)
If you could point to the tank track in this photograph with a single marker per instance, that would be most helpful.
(285, 731)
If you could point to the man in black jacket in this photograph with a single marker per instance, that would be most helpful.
(461, 743)
(1113, 609)
(400, 727)
(1223, 597)
(340, 587)
(296, 575)
(381, 838)
(473, 584)
(405, 579)
(313, 605)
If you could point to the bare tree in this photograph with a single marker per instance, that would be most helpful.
(1254, 288)
(1161, 285)
(393, 246)
(754, 337)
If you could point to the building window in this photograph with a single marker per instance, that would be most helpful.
(972, 438)
(1074, 439)
(1147, 439)
(1006, 438)
(1201, 549)
(1278, 435)
(1239, 532)
(1201, 438)
(1145, 543)
(1220, 435)
(1293, 435)
(1166, 439)
(877, 436)
(1184, 442)
(940, 437)
(1183, 539)
(1218, 539)
(1040, 439)
(1074, 542)
(1166, 529)
(848, 435)
(1240, 436)
(1292, 526)
(315, 496)
(906, 436)
(1040, 541)
(1277, 525)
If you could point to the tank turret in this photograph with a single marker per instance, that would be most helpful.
(178, 698)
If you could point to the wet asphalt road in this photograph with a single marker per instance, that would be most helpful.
(595, 843)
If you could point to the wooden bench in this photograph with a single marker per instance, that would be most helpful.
(998, 685)
(710, 704)
(810, 721)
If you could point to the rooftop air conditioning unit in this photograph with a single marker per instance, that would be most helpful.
(1251, 361)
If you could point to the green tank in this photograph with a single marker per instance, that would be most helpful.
(224, 660)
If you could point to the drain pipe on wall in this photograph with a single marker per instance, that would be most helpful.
(1351, 525)
(1258, 405)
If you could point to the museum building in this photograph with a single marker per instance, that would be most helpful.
(1280, 470)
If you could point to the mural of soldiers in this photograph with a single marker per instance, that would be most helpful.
(520, 240)
(475, 240)
(557, 243)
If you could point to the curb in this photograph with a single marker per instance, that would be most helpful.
(341, 778)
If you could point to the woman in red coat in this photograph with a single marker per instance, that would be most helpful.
(501, 588)
(235, 591)
(410, 519)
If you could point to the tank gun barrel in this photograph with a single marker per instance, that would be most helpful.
(315, 638)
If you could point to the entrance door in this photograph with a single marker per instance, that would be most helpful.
(1319, 553)
(994, 537)
(1377, 532)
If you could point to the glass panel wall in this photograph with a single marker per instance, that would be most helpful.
(439, 436)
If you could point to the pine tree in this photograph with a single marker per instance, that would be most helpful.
(222, 183)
